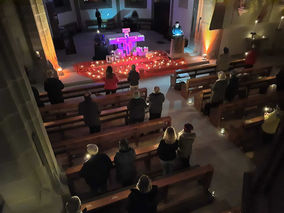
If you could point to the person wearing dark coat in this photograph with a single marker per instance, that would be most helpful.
(124, 161)
(90, 110)
(99, 19)
(53, 87)
(144, 198)
(96, 170)
(133, 78)
(156, 100)
(136, 108)
(37, 98)
(218, 92)
(232, 88)
(280, 80)
(167, 150)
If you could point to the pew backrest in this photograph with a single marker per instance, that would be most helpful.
(77, 91)
(109, 138)
(201, 174)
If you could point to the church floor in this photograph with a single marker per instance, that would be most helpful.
(229, 161)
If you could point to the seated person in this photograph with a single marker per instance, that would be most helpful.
(53, 86)
(90, 110)
(144, 198)
(218, 92)
(74, 205)
(233, 87)
(124, 161)
(136, 108)
(96, 170)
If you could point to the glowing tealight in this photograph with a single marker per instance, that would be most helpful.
(256, 21)
(222, 131)
(87, 157)
(266, 109)
(282, 17)
(246, 53)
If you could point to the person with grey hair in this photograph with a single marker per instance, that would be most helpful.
(124, 161)
(156, 100)
(96, 170)
(73, 205)
(218, 92)
(53, 86)
(136, 108)
(144, 198)
(91, 113)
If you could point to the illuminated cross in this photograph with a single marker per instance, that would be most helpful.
(126, 42)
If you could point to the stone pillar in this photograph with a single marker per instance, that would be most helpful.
(30, 179)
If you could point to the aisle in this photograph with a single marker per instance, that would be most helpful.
(210, 147)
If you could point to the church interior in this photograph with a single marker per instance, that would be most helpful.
(72, 73)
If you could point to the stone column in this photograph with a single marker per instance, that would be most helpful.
(30, 179)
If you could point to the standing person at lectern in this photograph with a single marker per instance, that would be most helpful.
(99, 19)
(133, 78)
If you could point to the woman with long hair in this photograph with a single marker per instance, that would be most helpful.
(110, 81)
(167, 150)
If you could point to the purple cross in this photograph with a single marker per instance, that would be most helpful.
(128, 42)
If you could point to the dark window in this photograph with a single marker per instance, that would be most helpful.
(135, 3)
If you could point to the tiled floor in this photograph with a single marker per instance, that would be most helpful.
(210, 147)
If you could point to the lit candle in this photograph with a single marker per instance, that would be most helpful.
(281, 19)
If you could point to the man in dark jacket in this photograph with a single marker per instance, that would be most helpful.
(125, 164)
(90, 110)
(37, 98)
(133, 78)
(156, 100)
(99, 19)
(136, 108)
(53, 87)
(232, 88)
(96, 170)
(144, 198)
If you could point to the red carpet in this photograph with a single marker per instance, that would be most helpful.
(156, 64)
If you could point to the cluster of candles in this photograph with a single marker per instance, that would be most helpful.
(152, 62)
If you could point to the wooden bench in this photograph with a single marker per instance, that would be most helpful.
(70, 108)
(78, 91)
(239, 106)
(142, 154)
(201, 174)
(109, 138)
(252, 122)
(78, 121)
(201, 69)
(245, 85)
(194, 85)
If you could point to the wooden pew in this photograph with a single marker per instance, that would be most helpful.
(217, 114)
(201, 97)
(194, 85)
(201, 174)
(109, 138)
(77, 91)
(202, 69)
(70, 108)
(69, 123)
(142, 154)
(252, 122)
